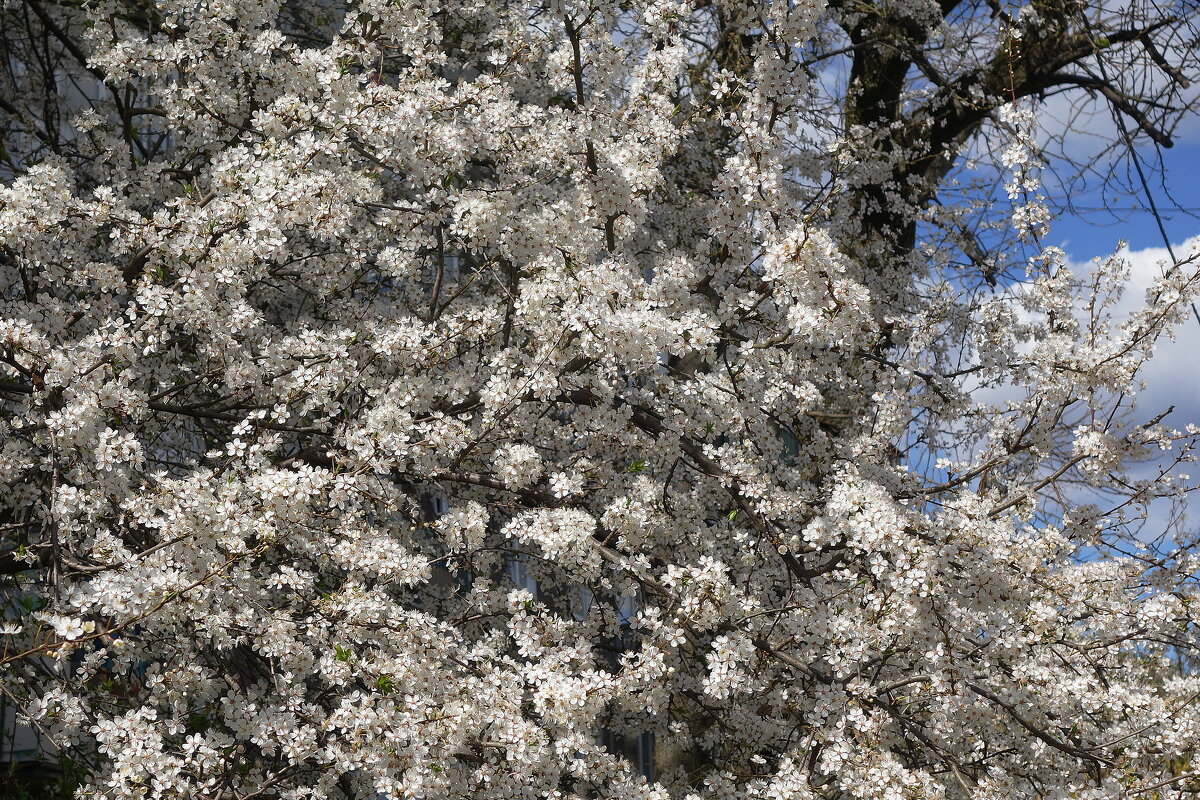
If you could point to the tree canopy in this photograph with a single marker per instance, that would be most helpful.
(396, 395)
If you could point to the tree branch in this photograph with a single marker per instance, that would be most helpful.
(1118, 101)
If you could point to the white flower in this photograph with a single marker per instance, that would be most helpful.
(68, 628)
(564, 484)
(519, 465)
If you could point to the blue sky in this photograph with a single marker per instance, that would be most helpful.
(1173, 376)
(1099, 223)
(1094, 232)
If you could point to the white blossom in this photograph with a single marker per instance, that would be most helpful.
(448, 400)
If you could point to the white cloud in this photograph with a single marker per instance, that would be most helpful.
(1172, 376)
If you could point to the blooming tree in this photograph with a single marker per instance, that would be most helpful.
(319, 317)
